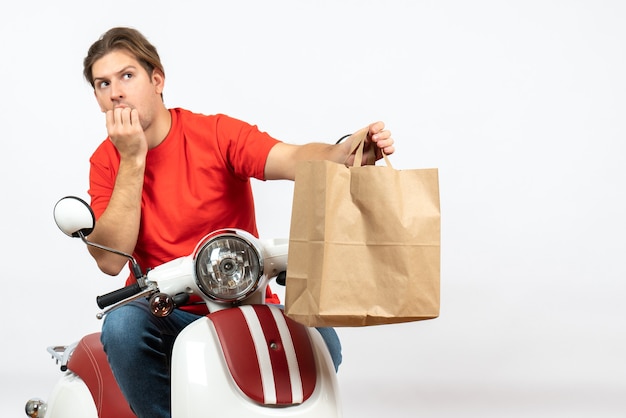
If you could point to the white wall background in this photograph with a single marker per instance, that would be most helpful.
(520, 104)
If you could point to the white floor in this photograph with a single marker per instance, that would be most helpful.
(373, 392)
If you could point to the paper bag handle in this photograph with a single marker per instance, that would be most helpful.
(358, 145)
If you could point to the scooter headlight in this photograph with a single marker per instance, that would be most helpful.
(228, 266)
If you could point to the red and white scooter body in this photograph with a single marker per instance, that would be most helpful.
(238, 361)
(248, 361)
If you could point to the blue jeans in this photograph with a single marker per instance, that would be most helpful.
(139, 347)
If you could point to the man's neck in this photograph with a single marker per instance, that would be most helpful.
(160, 128)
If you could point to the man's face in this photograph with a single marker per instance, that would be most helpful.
(121, 81)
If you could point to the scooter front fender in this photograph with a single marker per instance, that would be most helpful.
(202, 381)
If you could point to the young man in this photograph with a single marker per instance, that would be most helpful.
(158, 183)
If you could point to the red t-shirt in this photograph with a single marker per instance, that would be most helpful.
(196, 181)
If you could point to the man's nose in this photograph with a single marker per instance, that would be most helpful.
(116, 91)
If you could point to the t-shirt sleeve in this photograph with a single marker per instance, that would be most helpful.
(244, 147)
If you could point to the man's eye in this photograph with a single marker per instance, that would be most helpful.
(103, 84)
(128, 76)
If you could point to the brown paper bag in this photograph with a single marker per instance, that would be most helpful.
(364, 244)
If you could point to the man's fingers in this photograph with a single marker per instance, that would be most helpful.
(134, 117)
(122, 116)
(376, 128)
(110, 118)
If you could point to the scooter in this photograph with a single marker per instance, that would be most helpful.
(243, 359)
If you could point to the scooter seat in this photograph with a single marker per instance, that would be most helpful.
(90, 363)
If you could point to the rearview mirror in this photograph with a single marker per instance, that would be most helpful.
(74, 216)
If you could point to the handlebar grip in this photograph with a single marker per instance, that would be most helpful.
(281, 279)
(117, 295)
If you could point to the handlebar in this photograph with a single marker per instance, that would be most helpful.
(118, 295)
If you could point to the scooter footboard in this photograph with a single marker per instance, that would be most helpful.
(252, 361)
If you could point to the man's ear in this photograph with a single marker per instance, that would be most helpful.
(158, 79)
